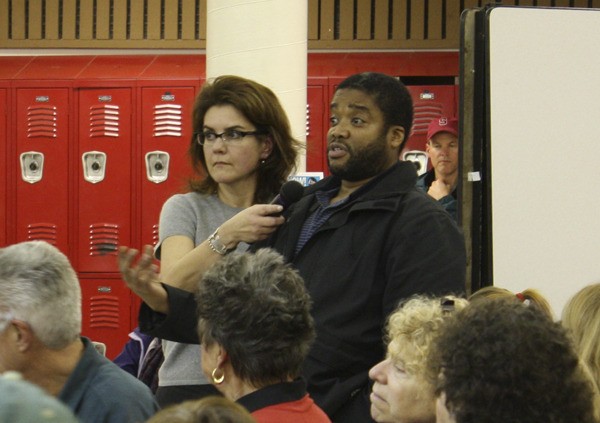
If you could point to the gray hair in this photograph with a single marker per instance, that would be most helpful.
(39, 286)
(257, 307)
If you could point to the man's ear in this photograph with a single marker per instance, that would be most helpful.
(23, 335)
(397, 135)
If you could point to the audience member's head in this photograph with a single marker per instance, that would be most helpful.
(389, 94)
(261, 107)
(254, 322)
(581, 317)
(501, 362)
(40, 292)
(442, 146)
(529, 297)
(210, 409)
(40, 337)
(403, 390)
(23, 402)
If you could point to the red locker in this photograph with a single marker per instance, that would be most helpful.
(103, 176)
(3, 174)
(429, 102)
(106, 312)
(166, 117)
(42, 160)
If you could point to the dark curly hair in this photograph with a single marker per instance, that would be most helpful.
(257, 308)
(501, 362)
(260, 106)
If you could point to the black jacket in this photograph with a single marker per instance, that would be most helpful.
(389, 242)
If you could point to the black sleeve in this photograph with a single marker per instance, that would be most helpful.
(180, 325)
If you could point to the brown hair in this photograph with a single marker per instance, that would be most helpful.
(260, 106)
(528, 296)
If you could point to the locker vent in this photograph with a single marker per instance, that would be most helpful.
(41, 121)
(308, 114)
(167, 120)
(42, 232)
(154, 234)
(104, 312)
(423, 114)
(104, 120)
(104, 239)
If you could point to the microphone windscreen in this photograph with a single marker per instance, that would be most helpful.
(290, 192)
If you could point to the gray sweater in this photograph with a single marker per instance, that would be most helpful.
(195, 216)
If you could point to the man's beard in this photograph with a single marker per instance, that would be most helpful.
(363, 163)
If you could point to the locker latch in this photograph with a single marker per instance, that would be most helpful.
(94, 166)
(419, 158)
(32, 166)
(157, 166)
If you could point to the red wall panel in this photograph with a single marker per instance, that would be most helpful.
(316, 125)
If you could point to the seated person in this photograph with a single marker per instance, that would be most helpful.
(501, 362)
(255, 330)
(211, 409)
(40, 299)
(141, 357)
(402, 389)
(581, 318)
(442, 149)
(529, 297)
(24, 402)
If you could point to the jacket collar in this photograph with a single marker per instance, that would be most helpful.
(398, 179)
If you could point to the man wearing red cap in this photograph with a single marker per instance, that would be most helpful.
(442, 148)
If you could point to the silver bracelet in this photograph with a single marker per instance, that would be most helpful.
(216, 245)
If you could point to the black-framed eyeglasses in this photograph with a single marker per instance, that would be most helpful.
(228, 137)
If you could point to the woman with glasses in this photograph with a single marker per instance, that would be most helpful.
(242, 152)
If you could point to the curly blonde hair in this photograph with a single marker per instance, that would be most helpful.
(581, 317)
(413, 326)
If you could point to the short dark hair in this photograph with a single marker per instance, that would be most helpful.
(260, 106)
(502, 362)
(257, 307)
(390, 95)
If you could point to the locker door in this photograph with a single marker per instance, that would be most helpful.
(42, 185)
(3, 174)
(105, 312)
(166, 134)
(104, 176)
(316, 129)
(429, 102)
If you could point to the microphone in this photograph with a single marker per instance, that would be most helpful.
(290, 192)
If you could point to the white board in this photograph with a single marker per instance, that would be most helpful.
(544, 93)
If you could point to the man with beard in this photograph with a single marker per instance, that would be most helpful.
(363, 239)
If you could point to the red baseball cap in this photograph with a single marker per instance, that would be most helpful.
(442, 124)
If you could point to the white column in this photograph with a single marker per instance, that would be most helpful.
(263, 40)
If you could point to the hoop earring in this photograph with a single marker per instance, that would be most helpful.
(217, 380)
